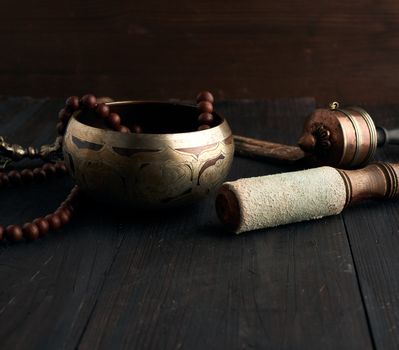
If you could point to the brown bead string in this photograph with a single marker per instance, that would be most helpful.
(113, 120)
(40, 226)
(205, 105)
(89, 102)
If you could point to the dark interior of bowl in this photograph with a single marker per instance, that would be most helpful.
(153, 117)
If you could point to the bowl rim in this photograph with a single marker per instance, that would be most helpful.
(159, 102)
(189, 139)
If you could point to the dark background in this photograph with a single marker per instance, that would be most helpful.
(345, 50)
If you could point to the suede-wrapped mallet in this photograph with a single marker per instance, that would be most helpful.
(267, 201)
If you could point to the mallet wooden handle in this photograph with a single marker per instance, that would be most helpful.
(375, 181)
(266, 201)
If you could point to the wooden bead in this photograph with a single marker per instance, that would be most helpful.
(72, 103)
(68, 205)
(61, 168)
(71, 199)
(49, 169)
(64, 115)
(27, 175)
(203, 127)
(2, 233)
(66, 208)
(39, 174)
(63, 215)
(205, 107)
(30, 231)
(114, 120)
(73, 195)
(65, 205)
(88, 101)
(68, 211)
(15, 177)
(102, 110)
(5, 180)
(14, 233)
(42, 225)
(60, 127)
(123, 129)
(54, 221)
(205, 96)
(75, 190)
(205, 118)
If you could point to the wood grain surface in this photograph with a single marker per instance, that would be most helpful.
(345, 50)
(180, 281)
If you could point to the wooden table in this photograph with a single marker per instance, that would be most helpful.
(171, 282)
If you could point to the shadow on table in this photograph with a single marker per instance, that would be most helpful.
(199, 217)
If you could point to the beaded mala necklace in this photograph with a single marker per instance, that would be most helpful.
(55, 167)
(113, 120)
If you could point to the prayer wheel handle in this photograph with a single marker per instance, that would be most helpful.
(385, 136)
(343, 137)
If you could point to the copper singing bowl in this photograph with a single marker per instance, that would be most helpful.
(154, 169)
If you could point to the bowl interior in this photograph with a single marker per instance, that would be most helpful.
(153, 117)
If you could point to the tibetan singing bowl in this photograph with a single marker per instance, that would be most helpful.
(166, 165)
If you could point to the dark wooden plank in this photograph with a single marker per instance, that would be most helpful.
(151, 49)
(180, 281)
(373, 229)
(15, 114)
(49, 288)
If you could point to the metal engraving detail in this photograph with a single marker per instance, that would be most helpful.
(148, 170)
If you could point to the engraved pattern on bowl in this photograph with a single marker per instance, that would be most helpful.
(148, 170)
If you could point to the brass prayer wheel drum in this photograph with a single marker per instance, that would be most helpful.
(152, 169)
(345, 138)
